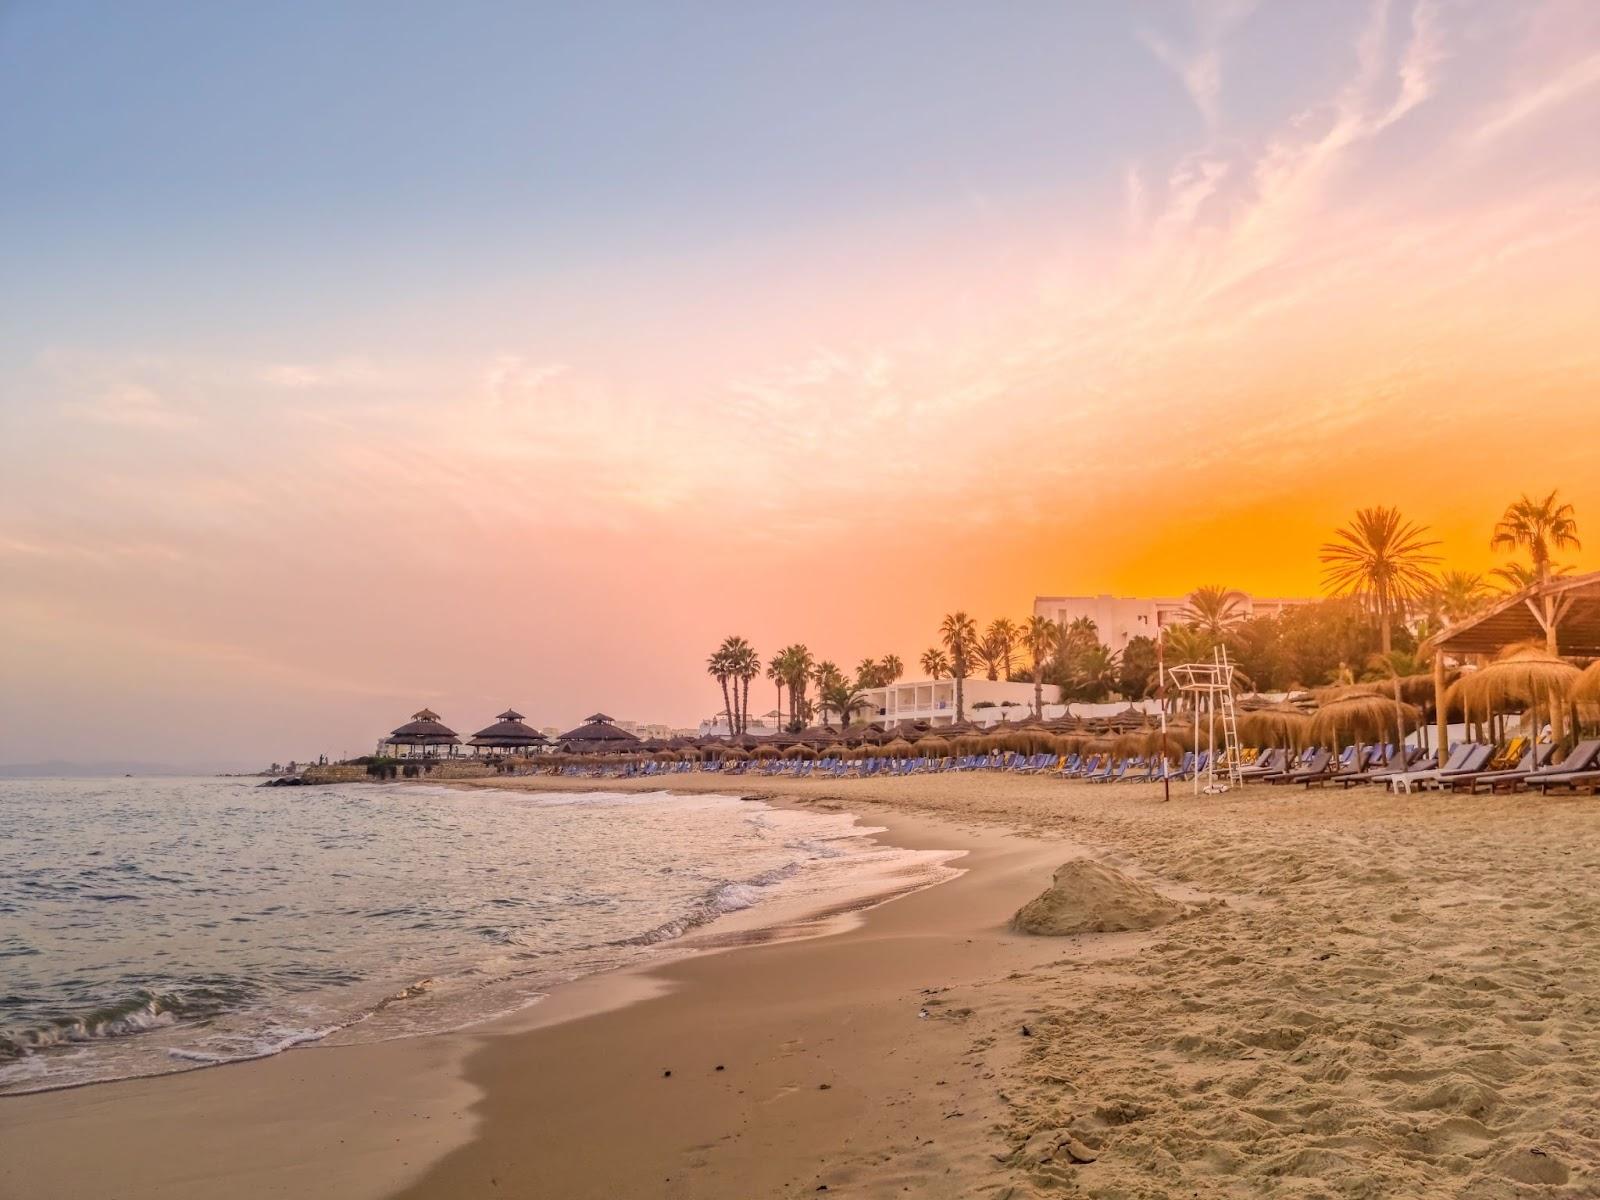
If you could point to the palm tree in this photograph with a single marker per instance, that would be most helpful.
(1096, 671)
(1517, 577)
(797, 663)
(1381, 559)
(960, 637)
(868, 673)
(1459, 595)
(1215, 609)
(935, 663)
(890, 668)
(743, 666)
(718, 665)
(827, 676)
(1041, 637)
(844, 698)
(1002, 637)
(1541, 526)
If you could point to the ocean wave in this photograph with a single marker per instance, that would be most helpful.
(273, 1041)
(143, 1011)
(727, 896)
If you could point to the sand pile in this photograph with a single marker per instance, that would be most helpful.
(1086, 897)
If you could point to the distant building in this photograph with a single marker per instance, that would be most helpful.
(1119, 619)
(934, 701)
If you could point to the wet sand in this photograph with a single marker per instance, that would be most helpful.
(1372, 996)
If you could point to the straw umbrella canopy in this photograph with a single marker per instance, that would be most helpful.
(1170, 744)
(1362, 717)
(765, 752)
(1281, 725)
(899, 748)
(800, 750)
(1586, 687)
(1525, 677)
(933, 747)
(734, 754)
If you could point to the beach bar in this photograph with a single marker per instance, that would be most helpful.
(424, 736)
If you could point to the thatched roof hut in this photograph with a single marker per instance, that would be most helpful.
(424, 732)
(598, 733)
(1279, 726)
(1586, 688)
(1523, 675)
(508, 733)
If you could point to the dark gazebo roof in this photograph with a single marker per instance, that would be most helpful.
(424, 729)
(599, 730)
(508, 733)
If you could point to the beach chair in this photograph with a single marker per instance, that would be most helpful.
(1321, 762)
(1583, 759)
(1269, 762)
(1534, 760)
(1467, 756)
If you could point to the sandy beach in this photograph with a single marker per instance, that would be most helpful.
(1368, 996)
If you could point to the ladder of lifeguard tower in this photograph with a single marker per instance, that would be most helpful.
(1230, 722)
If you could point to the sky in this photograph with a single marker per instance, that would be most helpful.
(360, 357)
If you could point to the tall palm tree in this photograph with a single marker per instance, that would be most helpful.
(890, 668)
(1516, 577)
(868, 674)
(1380, 558)
(1539, 525)
(960, 636)
(935, 663)
(721, 668)
(1096, 672)
(744, 664)
(797, 665)
(1215, 609)
(1041, 637)
(1003, 636)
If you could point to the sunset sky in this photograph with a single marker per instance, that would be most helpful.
(356, 357)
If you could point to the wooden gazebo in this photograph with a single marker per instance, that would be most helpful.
(598, 732)
(508, 735)
(424, 735)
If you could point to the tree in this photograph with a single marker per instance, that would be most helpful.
(775, 676)
(1096, 672)
(867, 673)
(1000, 643)
(827, 676)
(960, 637)
(1395, 666)
(1539, 525)
(1040, 634)
(1215, 609)
(794, 663)
(890, 668)
(720, 667)
(935, 663)
(1459, 595)
(844, 698)
(743, 665)
(1138, 668)
(1380, 558)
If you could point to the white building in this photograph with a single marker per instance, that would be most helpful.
(1122, 618)
(934, 701)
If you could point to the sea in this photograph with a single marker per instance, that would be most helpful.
(153, 925)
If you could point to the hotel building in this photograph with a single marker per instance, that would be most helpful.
(1121, 618)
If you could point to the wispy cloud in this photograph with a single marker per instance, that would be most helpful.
(131, 406)
(1523, 107)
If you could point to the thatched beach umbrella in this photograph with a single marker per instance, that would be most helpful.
(765, 752)
(899, 748)
(1362, 717)
(1282, 726)
(1524, 677)
(1586, 687)
(933, 747)
(800, 751)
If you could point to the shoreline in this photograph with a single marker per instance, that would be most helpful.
(332, 1152)
(1371, 995)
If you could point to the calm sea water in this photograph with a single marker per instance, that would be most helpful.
(148, 925)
